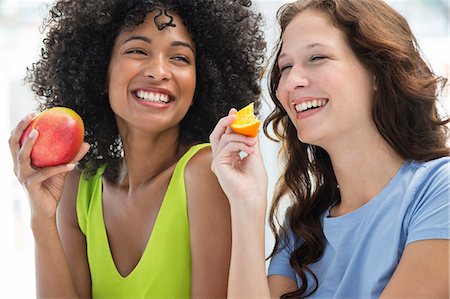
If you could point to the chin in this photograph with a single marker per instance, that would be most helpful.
(308, 139)
(304, 138)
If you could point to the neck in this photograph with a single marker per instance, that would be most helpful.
(363, 169)
(146, 156)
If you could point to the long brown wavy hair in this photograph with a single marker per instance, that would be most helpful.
(404, 111)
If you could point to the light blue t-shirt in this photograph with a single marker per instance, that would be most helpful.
(363, 248)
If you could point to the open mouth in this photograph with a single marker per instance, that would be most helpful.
(153, 97)
(310, 105)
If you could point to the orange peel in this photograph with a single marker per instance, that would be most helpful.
(246, 122)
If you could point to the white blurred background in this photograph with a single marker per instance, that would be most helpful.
(20, 42)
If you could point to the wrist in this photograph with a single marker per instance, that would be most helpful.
(249, 211)
(42, 225)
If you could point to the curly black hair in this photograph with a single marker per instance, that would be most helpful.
(72, 70)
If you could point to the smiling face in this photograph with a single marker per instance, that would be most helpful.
(324, 88)
(152, 75)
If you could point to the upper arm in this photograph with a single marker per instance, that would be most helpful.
(423, 271)
(210, 228)
(73, 240)
(281, 275)
(279, 285)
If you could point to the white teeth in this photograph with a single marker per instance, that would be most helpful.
(304, 106)
(310, 104)
(153, 97)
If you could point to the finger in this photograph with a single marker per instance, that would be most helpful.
(228, 130)
(228, 156)
(227, 138)
(233, 149)
(82, 152)
(237, 147)
(257, 154)
(220, 129)
(45, 173)
(257, 145)
(17, 132)
(23, 158)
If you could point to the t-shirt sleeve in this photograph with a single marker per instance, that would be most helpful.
(279, 263)
(430, 215)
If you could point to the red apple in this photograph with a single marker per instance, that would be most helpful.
(61, 134)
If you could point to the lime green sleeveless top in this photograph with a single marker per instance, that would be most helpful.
(164, 270)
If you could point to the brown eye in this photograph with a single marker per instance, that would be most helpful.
(136, 51)
(182, 59)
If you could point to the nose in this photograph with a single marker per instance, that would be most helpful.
(296, 78)
(158, 68)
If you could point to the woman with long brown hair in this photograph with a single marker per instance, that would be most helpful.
(366, 163)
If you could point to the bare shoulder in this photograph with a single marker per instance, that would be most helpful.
(73, 240)
(200, 162)
(210, 228)
(67, 205)
(201, 182)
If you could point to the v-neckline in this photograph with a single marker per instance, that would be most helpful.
(147, 248)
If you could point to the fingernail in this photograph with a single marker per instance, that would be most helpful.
(33, 133)
(29, 115)
(71, 166)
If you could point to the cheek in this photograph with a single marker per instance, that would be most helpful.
(282, 92)
(283, 97)
(119, 76)
(117, 90)
(189, 83)
(193, 83)
(113, 75)
(360, 97)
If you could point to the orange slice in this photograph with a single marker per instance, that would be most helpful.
(246, 123)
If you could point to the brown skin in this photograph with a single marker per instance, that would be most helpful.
(44, 188)
(165, 63)
(209, 221)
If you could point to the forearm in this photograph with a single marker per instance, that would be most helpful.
(247, 277)
(53, 278)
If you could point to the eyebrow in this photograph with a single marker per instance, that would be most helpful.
(310, 46)
(149, 41)
(138, 37)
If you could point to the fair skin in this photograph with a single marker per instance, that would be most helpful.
(152, 80)
(319, 67)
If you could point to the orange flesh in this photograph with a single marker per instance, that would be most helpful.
(246, 122)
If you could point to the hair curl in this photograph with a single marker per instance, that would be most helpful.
(72, 70)
(404, 111)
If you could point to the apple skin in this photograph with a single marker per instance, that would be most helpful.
(61, 134)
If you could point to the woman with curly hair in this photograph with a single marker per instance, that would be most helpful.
(366, 163)
(142, 215)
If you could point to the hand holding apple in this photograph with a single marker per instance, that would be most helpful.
(61, 134)
(48, 139)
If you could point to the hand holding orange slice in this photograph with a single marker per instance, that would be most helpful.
(246, 122)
